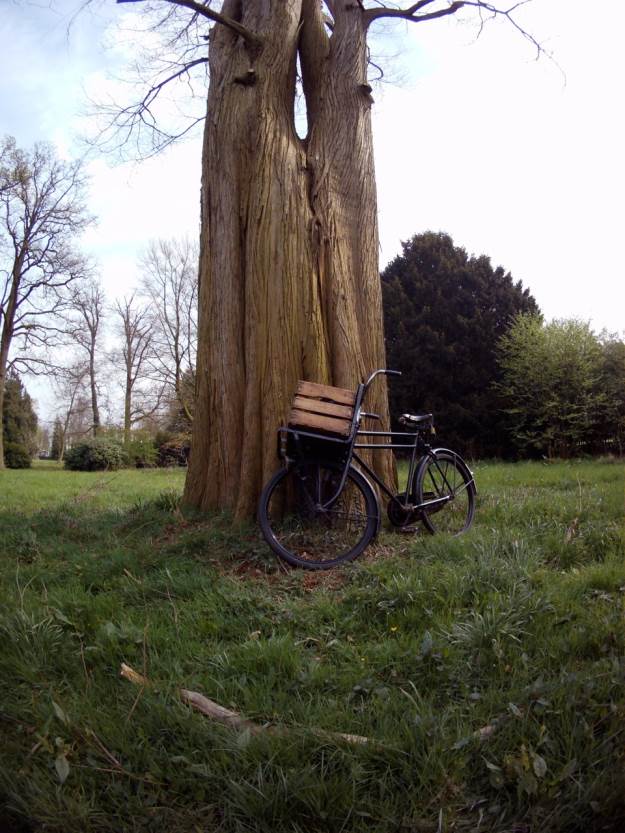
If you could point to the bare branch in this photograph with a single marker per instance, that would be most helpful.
(411, 13)
(139, 120)
(199, 8)
(169, 284)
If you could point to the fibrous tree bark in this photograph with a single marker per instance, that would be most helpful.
(289, 279)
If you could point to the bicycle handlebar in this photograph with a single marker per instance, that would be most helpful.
(385, 372)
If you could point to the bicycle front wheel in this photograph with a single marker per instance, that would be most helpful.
(308, 524)
(445, 489)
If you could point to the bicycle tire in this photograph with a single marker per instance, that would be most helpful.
(305, 535)
(444, 474)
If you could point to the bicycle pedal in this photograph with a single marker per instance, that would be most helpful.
(407, 530)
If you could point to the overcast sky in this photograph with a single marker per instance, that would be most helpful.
(513, 157)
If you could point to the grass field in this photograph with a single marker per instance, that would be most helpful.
(487, 672)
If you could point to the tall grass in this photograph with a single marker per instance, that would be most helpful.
(487, 671)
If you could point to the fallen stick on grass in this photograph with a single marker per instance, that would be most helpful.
(233, 719)
(221, 714)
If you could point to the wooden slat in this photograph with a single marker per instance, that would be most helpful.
(317, 391)
(316, 406)
(317, 422)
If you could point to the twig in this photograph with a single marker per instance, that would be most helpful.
(130, 674)
(234, 720)
(221, 714)
(84, 664)
(107, 754)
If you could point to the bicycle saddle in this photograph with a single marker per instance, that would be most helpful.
(422, 420)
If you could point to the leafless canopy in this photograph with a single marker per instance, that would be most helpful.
(182, 28)
(169, 284)
(42, 211)
(84, 327)
(142, 396)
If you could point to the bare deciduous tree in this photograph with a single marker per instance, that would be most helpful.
(73, 406)
(142, 396)
(84, 324)
(169, 282)
(41, 211)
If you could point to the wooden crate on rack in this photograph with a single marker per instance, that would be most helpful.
(323, 409)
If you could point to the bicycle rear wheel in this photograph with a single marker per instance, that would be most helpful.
(444, 481)
(302, 530)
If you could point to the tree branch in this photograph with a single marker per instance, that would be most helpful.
(411, 12)
(204, 11)
(155, 90)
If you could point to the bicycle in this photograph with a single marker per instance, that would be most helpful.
(319, 510)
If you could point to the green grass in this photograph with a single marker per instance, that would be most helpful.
(488, 671)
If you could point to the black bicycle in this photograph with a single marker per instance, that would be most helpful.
(320, 510)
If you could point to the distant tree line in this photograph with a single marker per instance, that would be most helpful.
(473, 349)
(469, 340)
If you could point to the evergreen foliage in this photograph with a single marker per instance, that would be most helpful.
(16, 456)
(444, 312)
(19, 420)
(95, 454)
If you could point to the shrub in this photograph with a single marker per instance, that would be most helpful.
(168, 500)
(175, 452)
(95, 455)
(16, 456)
(140, 453)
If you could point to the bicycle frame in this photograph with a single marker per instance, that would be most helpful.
(398, 440)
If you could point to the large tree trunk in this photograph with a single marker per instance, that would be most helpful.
(289, 281)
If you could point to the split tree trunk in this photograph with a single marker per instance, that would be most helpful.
(289, 276)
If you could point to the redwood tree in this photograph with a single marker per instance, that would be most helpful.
(289, 278)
